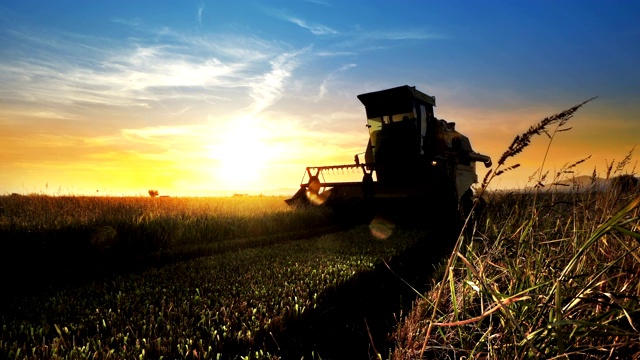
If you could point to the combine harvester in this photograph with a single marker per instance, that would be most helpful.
(415, 165)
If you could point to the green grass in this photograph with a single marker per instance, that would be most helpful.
(223, 306)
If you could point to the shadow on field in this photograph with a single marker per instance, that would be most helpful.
(37, 262)
(357, 319)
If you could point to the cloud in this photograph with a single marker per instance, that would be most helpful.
(326, 53)
(200, 11)
(316, 29)
(359, 39)
(80, 72)
(133, 74)
(319, 2)
(135, 22)
(324, 85)
(155, 66)
(268, 87)
(409, 34)
(164, 131)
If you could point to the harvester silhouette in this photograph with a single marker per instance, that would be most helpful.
(415, 165)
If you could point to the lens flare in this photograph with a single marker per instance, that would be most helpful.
(317, 199)
(381, 228)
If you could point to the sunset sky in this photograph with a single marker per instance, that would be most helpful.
(194, 97)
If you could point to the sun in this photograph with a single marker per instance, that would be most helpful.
(243, 154)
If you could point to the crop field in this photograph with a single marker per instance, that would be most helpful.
(218, 278)
(544, 273)
(550, 271)
(77, 235)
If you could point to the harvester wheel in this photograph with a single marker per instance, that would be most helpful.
(367, 187)
(466, 204)
(452, 210)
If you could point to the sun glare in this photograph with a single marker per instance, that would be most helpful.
(243, 153)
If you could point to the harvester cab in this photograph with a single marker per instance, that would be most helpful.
(412, 160)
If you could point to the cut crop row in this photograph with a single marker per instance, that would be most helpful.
(231, 303)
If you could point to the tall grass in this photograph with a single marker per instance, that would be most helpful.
(546, 274)
(226, 217)
(81, 237)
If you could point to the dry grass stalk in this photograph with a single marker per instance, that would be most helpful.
(561, 263)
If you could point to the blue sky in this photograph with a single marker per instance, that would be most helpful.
(186, 96)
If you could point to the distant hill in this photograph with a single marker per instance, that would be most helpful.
(582, 182)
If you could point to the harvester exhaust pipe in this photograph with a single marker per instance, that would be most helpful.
(474, 156)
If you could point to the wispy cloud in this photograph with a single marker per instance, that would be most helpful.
(319, 2)
(200, 11)
(360, 39)
(328, 53)
(130, 22)
(268, 87)
(325, 82)
(146, 67)
(406, 34)
(85, 71)
(154, 132)
(316, 29)
(135, 74)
